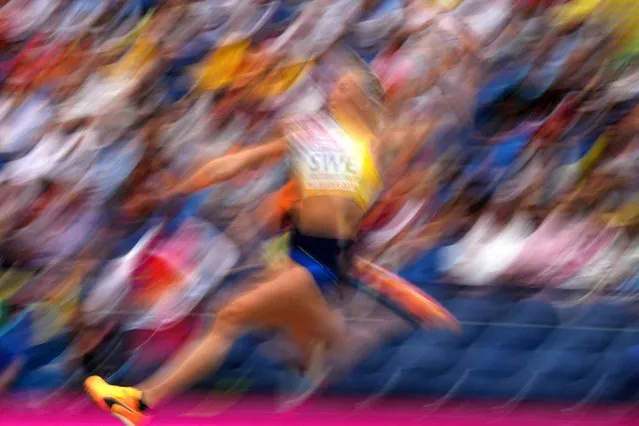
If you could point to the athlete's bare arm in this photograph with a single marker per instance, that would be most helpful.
(229, 166)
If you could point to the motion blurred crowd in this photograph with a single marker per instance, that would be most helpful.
(517, 155)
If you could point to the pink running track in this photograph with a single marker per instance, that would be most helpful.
(222, 410)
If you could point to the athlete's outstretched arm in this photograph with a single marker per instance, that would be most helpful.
(229, 166)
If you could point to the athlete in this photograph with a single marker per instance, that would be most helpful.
(335, 157)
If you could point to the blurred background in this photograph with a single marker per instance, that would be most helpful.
(513, 199)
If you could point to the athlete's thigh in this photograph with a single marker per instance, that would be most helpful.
(291, 301)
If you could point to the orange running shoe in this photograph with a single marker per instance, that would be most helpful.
(123, 403)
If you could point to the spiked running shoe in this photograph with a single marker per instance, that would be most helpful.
(123, 403)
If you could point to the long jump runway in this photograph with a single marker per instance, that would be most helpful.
(225, 410)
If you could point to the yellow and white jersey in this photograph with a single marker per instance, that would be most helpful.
(328, 161)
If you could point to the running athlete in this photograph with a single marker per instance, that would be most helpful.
(335, 157)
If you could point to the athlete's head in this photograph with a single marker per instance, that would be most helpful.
(357, 93)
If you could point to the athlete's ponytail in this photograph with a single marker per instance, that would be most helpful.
(372, 84)
(347, 60)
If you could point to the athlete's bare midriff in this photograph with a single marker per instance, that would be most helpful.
(329, 216)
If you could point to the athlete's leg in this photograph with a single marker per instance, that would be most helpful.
(290, 302)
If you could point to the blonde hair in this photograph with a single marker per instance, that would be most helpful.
(372, 85)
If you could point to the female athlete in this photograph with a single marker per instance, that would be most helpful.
(335, 157)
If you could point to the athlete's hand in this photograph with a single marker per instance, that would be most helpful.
(243, 230)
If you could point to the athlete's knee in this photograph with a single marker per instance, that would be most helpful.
(230, 319)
